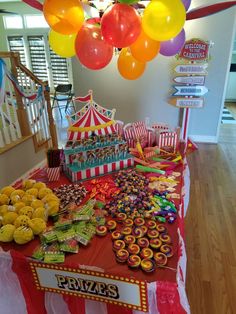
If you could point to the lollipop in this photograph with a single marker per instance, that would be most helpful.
(133, 249)
(152, 234)
(161, 228)
(143, 242)
(138, 232)
(121, 217)
(155, 243)
(167, 250)
(116, 235)
(118, 245)
(147, 265)
(134, 261)
(101, 231)
(160, 259)
(126, 230)
(122, 255)
(145, 229)
(111, 225)
(146, 253)
(139, 221)
(165, 238)
(151, 224)
(129, 239)
(128, 222)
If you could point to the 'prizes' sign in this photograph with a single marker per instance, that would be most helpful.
(93, 285)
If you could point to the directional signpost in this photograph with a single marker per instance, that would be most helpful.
(189, 81)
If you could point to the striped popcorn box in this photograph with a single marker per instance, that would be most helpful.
(53, 174)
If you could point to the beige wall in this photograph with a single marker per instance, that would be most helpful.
(19, 160)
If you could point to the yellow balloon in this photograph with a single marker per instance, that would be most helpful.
(62, 45)
(129, 68)
(163, 19)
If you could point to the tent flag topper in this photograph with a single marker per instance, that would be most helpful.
(93, 285)
(190, 73)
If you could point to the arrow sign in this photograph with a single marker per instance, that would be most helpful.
(190, 90)
(191, 80)
(189, 102)
(191, 69)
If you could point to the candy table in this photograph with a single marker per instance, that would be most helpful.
(165, 287)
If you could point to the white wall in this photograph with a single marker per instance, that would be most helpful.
(147, 96)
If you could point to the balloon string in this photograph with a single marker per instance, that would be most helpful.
(209, 10)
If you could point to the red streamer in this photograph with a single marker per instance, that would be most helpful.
(209, 10)
(34, 4)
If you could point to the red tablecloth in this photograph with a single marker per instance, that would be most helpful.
(164, 286)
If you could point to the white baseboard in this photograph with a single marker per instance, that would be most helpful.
(30, 172)
(204, 139)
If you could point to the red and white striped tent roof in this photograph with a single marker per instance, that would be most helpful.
(92, 121)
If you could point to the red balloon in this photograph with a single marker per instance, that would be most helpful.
(92, 51)
(121, 25)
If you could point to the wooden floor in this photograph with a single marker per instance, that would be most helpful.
(211, 227)
(232, 108)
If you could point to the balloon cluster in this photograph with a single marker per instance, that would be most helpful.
(159, 29)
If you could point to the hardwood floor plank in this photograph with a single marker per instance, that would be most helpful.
(211, 230)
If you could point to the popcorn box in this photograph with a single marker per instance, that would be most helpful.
(53, 173)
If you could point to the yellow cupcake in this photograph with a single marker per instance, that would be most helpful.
(18, 206)
(22, 220)
(43, 192)
(38, 225)
(6, 233)
(23, 235)
(28, 199)
(7, 190)
(50, 197)
(18, 192)
(28, 184)
(39, 185)
(3, 209)
(40, 212)
(52, 207)
(33, 192)
(4, 199)
(26, 210)
(37, 203)
(9, 218)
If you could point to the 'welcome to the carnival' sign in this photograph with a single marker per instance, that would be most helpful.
(93, 285)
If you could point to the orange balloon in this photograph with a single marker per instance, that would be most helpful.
(64, 16)
(129, 67)
(144, 48)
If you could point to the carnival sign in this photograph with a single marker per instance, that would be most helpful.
(191, 69)
(195, 50)
(190, 90)
(127, 292)
(190, 80)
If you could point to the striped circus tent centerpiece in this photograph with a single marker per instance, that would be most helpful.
(92, 118)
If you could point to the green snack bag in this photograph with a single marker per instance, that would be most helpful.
(39, 252)
(54, 257)
(63, 235)
(70, 246)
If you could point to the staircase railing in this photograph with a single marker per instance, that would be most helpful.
(26, 108)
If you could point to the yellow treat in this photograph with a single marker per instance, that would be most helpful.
(40, 212)
(18, 192)
(23, 235)
(39, 185)
(28, 184)
(3, 209)
(52, 207)
(33, 192)
(50, 197)
(36, 204)
(9, 218)
(28, 199)
(6, 233)
(26, 210)
(18, 206)
(38, 225)
(22, 220)
(4, 199)
(7, 190)
(43, 192)
(15, 199)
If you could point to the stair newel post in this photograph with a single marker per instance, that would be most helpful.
(21, 110)
(52, 126)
